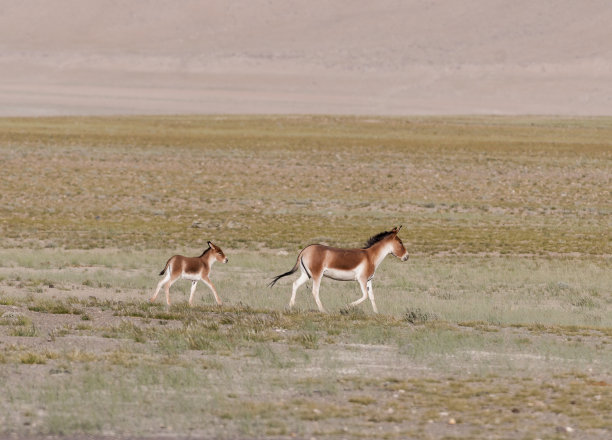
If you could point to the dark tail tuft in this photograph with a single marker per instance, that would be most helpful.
(295, 268)
(282, 275)
(166, 266)
(164, 269)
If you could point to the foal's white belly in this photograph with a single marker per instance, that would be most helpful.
(341, 275)
(191, 276)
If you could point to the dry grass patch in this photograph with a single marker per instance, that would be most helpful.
(467, 185)
(300, 373)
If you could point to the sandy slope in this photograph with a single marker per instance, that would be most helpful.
(298, 56)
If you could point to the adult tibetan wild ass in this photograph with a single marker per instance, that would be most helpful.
(317, 261)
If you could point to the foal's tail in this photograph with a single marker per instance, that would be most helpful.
(166, 266)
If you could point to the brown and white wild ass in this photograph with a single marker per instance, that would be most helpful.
(317, 261)
(191, 268)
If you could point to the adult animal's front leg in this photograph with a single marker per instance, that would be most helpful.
(371, 295)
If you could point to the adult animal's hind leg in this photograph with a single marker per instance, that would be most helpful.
(316, 283)
(364, 294)
(296, 285)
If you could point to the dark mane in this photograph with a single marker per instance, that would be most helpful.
(376, 238)
(203, 253)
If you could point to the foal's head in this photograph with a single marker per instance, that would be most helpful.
(219, 255)
(398, 247)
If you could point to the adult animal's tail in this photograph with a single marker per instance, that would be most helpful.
(295, 268)
(273, 282)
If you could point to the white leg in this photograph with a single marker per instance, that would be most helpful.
(193, 288)
(316, 283)
(214, 291)
(296, 284)
(159, 285)
(168, 284)
(364, 295)
(371, 295)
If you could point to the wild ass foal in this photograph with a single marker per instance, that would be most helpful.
(317, 261)
(192, 268)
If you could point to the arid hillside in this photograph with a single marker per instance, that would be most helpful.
(288, 56)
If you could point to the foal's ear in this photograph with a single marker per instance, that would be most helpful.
(210, 245)
(396, 229)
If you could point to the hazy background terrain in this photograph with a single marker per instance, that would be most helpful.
(286, 56)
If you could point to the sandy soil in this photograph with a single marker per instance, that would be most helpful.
(289, 56)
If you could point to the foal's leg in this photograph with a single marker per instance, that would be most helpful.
(168, 284)
(160, 284)
(371, 295)
(193, 288)
(209, 283)
(296, 285)
(316, 282)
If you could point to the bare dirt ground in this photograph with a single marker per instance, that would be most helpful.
(102, 368)
(344, 57)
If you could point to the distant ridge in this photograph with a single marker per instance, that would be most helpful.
(288, 56)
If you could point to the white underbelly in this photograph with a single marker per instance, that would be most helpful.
(191, 276)
(340, 275)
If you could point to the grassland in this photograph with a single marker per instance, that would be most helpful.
(499, 326)
(532, 186)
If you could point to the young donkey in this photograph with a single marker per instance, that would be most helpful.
(317, 261)
(192, 268)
